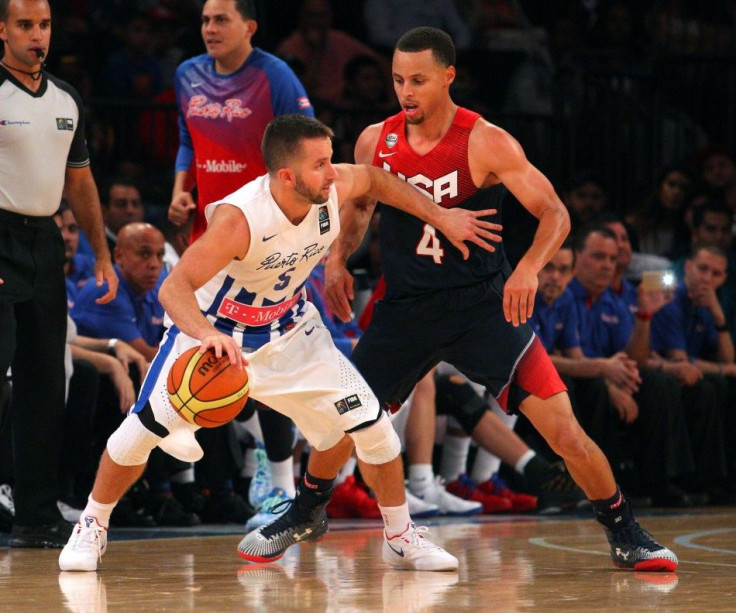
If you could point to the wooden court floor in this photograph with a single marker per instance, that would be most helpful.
(507, 564)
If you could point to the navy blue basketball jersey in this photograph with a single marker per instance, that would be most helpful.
(416, 258)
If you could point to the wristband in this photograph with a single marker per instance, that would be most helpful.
(643, 316)
(111, 346)
(723, 328)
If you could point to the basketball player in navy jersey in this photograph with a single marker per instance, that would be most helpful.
(471, 313)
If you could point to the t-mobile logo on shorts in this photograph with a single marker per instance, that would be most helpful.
(348, 404)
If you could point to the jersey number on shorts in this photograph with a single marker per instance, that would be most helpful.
(429, 244)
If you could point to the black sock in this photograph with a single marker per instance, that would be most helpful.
(313, 491)
(536, 470)
(614, 512)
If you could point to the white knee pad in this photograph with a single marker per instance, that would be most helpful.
(131, 443)
(378, 443)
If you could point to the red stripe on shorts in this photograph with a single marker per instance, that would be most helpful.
(535, 374)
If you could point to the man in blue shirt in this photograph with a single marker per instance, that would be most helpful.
(650, 408)
(78, 267)
(712, 226)
(136, 315)
(600, 384)
(694, 329)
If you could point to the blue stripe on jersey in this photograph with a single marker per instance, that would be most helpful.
(226, 326)
(155, 369)
(226, 285)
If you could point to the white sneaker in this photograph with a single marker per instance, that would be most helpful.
(410, 592)
(411, 550)
(6, 498)
(68, 512)
(83, 592)
(86, 545)
(419, 508)
(448, 504)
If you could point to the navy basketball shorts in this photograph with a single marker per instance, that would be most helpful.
(465, 327)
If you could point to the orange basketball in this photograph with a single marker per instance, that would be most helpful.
(205, 390)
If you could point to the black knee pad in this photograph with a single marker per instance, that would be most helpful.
(460, 401)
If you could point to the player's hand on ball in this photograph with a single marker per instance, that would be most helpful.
(224, 345)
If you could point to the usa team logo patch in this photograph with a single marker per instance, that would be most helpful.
(65, 123)
(324, 220)
(303, 102)
(348, 404)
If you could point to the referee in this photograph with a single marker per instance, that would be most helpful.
(42, 153)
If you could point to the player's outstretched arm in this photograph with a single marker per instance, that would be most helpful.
(227, 237)
(457, 224)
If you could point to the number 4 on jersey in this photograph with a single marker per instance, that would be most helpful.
(430, 245)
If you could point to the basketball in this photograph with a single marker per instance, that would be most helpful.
(205, 390)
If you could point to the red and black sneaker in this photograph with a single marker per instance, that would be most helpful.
(464, 487)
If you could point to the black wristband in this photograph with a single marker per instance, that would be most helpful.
(723, 328)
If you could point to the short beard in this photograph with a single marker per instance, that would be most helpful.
(313, 197)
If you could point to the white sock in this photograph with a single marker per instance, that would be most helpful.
(484, 466)
(282, 475)
(253, 426)
(487, 464)
(101, 512)
(395, 519)
(183, 476)
(454, 456)
(347, 470)
(249, 463)
(421, 477)
(523, 461)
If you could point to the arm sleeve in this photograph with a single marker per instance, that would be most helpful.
(287, 93)
(570, 336)
(115, 319)
(185, 153)
(78, 154)
(667, 332)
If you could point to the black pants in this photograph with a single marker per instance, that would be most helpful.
(78, 459)
(657, 443)
(704, 403)
(33, 314)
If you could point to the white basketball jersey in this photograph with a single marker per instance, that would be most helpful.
(262, 296)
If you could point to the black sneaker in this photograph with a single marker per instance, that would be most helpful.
(226, 507)
(46, 536)
(191, 496)
(168, 511)
(633, 548)
(268, 543)
(557, 492)
(126, 515)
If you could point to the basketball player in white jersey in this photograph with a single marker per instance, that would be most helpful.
(240, 290)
